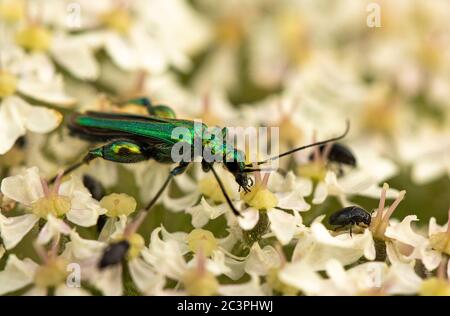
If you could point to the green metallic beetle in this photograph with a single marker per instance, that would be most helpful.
(134, 138)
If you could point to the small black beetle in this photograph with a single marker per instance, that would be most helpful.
(351, 215)
(114, 254)
(338, 153)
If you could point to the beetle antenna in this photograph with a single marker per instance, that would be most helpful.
(222, 188)
(67, 171)
(323, 142)
(74, 167)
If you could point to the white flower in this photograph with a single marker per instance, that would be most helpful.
(302, 276)
(260, 261)
(421, 248)
(18, 274)
(362, 180)
(370, 278)
(109, 279)
(34, 76)
(283, 224)
(17, 117)
(69, 198)
(429, 159)
(217, 251)
(317, 245)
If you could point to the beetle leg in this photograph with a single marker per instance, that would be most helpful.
(174, 172)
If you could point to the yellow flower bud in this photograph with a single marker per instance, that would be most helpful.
(118, 204)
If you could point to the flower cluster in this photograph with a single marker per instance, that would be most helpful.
(326, 221)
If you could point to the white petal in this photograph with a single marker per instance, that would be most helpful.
(48, 92)
(260, 261)
(403, 232)
(320, 193)
(16, 274)
(24, 188)
(84, 209)
(403, 280)
(165, 255)
(338, 276)
(77, 58)
(434, 227)
(81, 248)
(204, 212)
(425, 171)
(292, 201)
(121, 52)
(54, 227)
(237, 268)
(179, 237)
(303, 277)
(42, 120)
(249, 218)
(147, 280)
(182, 203)
(319, 246)
(422, 250)
(283, 225)
(13, 229)
(11, 123)
(215, 264)
(109, 281)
